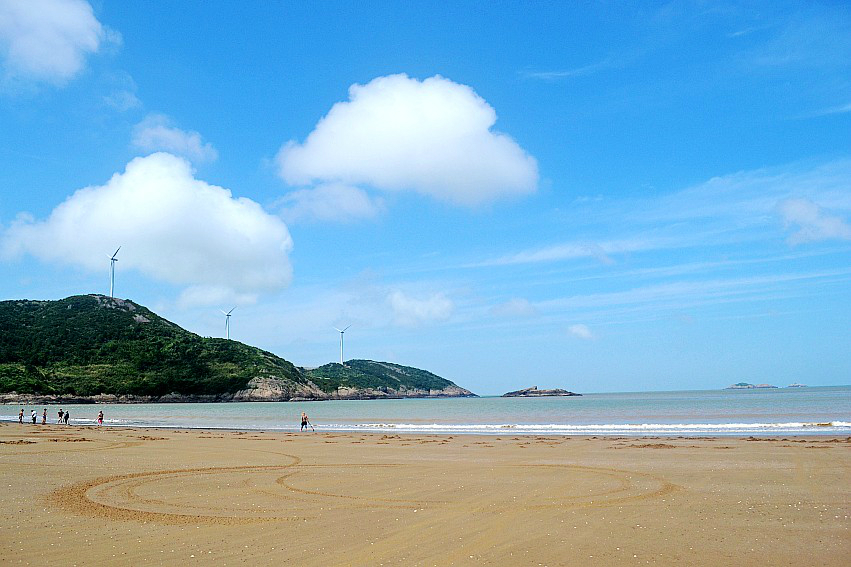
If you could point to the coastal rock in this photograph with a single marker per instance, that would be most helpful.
(345, 393)
(534, 392)
(747, 386)
(273, 389)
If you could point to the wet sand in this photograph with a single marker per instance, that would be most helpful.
(110, 496)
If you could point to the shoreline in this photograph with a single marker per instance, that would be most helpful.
(138, 495)
(818, 432)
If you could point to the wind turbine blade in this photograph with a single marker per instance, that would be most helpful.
(338, 330)
(223, 312)
(344, 330)
(231, 311)
(116, 252)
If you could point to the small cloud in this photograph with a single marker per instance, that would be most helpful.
(122, 91)
(396, 133)
(813, 224)
(334, 202)
(581, 332)
(157, 133)
(123, 100)
(582, 199)
(517, 307)
(49, 40)
(412, 312)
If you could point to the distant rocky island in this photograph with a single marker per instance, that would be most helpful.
(746, 386)
(534, 392)
(94, 348)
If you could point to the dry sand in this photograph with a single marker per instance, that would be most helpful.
(108, 496)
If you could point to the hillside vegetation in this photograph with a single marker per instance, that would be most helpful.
(92, 345)
(378, 376)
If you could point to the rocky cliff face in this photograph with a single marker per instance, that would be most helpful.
(261, 389)
(379, 393)
(271, 389)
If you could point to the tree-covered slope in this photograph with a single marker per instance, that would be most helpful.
(382, 377)
(91, 344)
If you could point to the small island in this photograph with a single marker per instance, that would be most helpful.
(746, 386)
(534, 392)
(796, 385)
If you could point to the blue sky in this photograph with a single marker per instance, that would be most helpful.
(595, 196)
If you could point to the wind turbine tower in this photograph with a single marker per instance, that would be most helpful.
(341, 331)
(227, 322)
(112, 262)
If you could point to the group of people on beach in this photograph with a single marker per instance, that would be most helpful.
(64, 416)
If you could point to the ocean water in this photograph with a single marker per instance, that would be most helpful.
(782, 411)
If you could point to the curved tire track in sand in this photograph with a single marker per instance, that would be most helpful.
(119, 497)
(168, 496)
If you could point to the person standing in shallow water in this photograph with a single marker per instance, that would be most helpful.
(67, 415)
(61, 413)
(100, 417)
(34, 416)
(44, 417)
(305, 422)
(21, 416)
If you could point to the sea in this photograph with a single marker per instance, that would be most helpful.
(757, 412)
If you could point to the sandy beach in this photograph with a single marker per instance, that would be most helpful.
(114, 496)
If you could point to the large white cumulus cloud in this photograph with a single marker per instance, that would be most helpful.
(48, 39)
(397, 133)
(171, 226)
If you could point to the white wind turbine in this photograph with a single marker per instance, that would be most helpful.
(112, 262)
(341, 331)
(227, 322)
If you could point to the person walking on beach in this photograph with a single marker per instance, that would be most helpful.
(21, 416)
(61, 413)
(305, 422)
(44, 417)
(100, 417)
(67, 415)
(34, 416)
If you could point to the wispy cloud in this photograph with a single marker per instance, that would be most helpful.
(813, 223)
(409, 311)
(513, 308)
(335, 202)
(840, 109)
(570, 73)
(805, 42)
(570, 251)
(682, 294)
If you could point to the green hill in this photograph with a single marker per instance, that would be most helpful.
(92, 346)
(380, 379)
